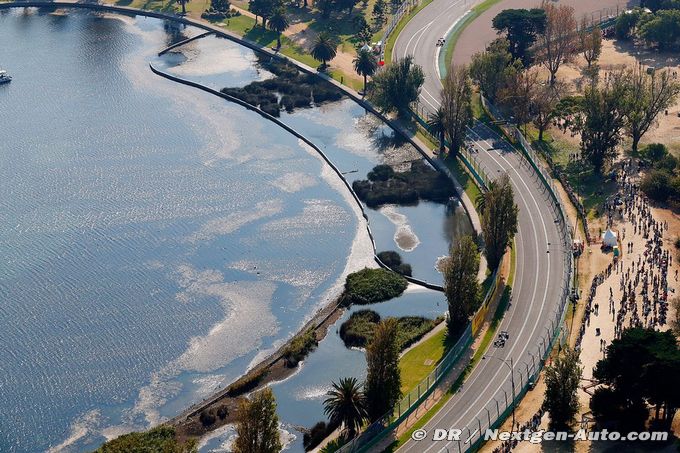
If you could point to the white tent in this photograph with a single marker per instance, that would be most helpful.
(609, 239)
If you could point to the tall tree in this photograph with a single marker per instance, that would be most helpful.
(436, 123)
(346, 405)
(324, 48)
(395, 87)
(543, 104)
(378, 14)
(562, 379)
(661, 28)
(590, 42)
(183, 4)
(598, 116)
(603, 122)
(499, 219)
(365, 64)
(647, 95)
(642, 367)
(460, 282)
(383, 380)
(264, 9)
(488, 69)
(278, 23)
(519, 92)
(257, 425)
(521, 27)
(557, 41)
(457, 106)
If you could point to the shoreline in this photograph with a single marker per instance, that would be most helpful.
(320, 322)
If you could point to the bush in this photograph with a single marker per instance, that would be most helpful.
(295, 89)
(206, 418)
(373, 285)
(667, 162)
(246, 383)
(419, 182)
(657, 185)
(317, 434)
(358, 330)
(159, 439)
(222, 412)
(654, 152)
(381, 173)
(392, 260)
(299, 348)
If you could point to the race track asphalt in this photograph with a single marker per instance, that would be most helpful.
(541, 260)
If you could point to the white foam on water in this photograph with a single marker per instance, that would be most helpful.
(213, 55)
(314, 392)
(404, 236)
(228, 224)
(80, 429)
(294, 182)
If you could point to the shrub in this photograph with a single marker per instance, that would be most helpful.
(317, 434)
(206, 418)
(419, 182)
(657, 185)
(392, 260)
(299, 348)
(222, 412)
(296, 90)
(381, 173)
(373, 285)
(358, 330)
(667, 162)
(246, 383)
(655, 151)
(161, 438)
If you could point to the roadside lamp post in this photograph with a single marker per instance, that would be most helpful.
(511, 366)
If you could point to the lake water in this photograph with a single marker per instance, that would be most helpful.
(156, 240)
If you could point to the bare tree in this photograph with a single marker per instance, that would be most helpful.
(590, 42)
(646, 96)
(543, 102)
(456, 105)
(557, 43)
(518, 94)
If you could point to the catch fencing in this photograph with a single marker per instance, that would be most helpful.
(524, 373)
(414, 398)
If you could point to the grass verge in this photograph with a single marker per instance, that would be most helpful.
(498, 316)
(389, 45)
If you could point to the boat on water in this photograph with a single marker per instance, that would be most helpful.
(4, 77)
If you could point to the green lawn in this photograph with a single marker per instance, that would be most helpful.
(490, 333)
(417, 363)
(389, 45)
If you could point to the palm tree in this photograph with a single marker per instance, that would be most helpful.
(346, 404)
(324, 48)
(365, 64)
(278, 23)
(436, 123)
